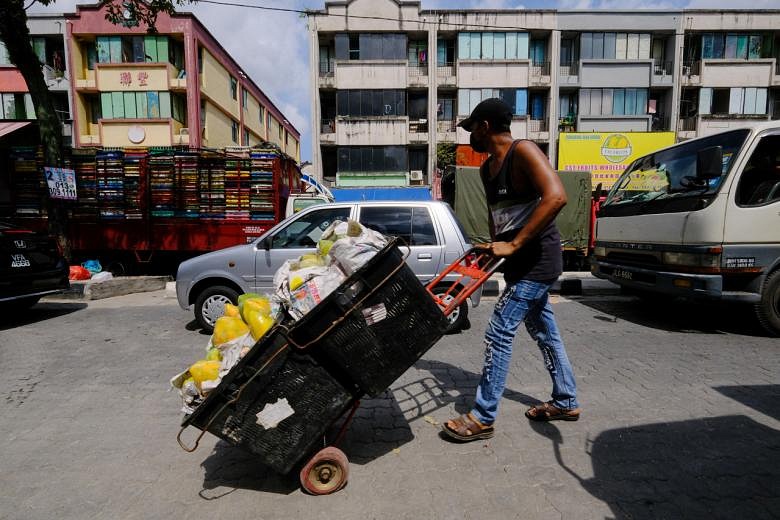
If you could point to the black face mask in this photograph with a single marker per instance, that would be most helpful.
(477, 145)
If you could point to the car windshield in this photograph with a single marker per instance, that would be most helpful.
(671, 173)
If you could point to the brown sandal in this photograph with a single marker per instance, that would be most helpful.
(467, 428)
(549, 412)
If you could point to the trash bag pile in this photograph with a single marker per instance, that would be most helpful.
(300, 285)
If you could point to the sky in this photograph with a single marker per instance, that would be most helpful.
(273, 48)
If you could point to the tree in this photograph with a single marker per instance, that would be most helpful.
(16, 36)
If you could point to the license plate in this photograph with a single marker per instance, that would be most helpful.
(622, 273)
(19, 261)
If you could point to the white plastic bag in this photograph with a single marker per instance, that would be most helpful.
(102, 276)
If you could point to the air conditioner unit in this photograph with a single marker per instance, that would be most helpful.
(184, 131)
(416, 175)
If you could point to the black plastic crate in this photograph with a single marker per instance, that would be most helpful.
(373, 341)
(315, 396)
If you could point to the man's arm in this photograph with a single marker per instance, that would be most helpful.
(531, 162)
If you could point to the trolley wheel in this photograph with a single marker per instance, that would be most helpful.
(459, 317)
(326, 472)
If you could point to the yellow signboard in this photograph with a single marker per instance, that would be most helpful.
(607, 154)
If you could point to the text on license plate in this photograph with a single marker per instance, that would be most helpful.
(622, 273)
(19, 261)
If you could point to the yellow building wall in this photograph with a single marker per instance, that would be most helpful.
(215, 83)
(273, 132)
(218, 127)
(252, 117)
(157, 133)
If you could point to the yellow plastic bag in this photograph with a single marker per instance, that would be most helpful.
(228, 328)
(259, 304)
(204, 370)
(259, 324)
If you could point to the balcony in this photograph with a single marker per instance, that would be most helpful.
(371, 131)
(737, 72)
(493, 73)
(446, 130)
(446, 75)
(538, 130)
(569, 73)
(691, 72)
(704, 125)
(327, 74)
(568, 123)
(663, 73)
(418, 75)
(357, 74)
(540, 73)
(614, 123)
(418, 131)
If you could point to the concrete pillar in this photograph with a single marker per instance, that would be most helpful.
(314, 75)
(555, 70)
(432, 101)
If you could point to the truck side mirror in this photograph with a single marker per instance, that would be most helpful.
(709, 163)
(266, 243)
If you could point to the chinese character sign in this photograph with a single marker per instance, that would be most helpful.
(61, 182)
(143, 78)
(125, 78)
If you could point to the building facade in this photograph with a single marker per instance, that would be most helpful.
(390, 81)
(118, 86)
(48, 41)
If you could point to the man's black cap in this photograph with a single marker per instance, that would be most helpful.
(494, 111)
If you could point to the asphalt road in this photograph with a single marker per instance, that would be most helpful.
(681, 419)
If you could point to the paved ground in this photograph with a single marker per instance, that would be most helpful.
(681, 420)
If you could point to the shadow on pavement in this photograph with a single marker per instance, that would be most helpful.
(762, 398)
(42, 311)
(720, 467)
(678, 315)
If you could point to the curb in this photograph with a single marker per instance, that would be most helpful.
(122, 285)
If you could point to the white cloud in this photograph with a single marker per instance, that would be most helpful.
(729, 4)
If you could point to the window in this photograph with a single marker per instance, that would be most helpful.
(737, 100)
(739, 46)
(305, 231)
(373, 159)
(179, 108)
(760, 180)
(246, 137)
(327, 55)
(537, 51)
(4, 59)
(413, 225)
(16, 106)
(234, 131)
(492, 45)
(609, 46)
(613, 101)
(371, 46)
(261, 115)
(245, 98)
(233, 88)
(470, 98)
(140, 105)
(445, 52)
(568, 51)
(418, 53)
(445, 109)
(136, 49)
(281, 133)
(370, 103)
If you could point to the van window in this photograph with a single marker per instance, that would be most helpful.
(413, 225)
(760, 180)
(307, 230)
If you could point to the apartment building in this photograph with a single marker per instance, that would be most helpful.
(391, 81)
(176, 87)
(48, 41)
(117, 86)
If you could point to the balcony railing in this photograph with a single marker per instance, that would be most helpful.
(445, 126)
(567, 124)
(446, 70)
(687, 124)
(327, 68)
(660, 122)
(691, 68)
(540, 68)
(327, 126)
(570, 69)
(418, 70)
(537, 125)
(418, 127)
(663, 68)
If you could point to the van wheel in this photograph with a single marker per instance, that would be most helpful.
(459, 318)
(768, 309)
(210, 305)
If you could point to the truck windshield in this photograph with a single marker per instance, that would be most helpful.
(671, 174)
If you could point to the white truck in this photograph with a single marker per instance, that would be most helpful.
(699, 219)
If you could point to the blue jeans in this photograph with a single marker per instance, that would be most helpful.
(523, 301)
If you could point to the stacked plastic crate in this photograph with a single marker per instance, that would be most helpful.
(110, 184)
(29, 185)
(161, 182)
(186, 184)
(211, 181)
(237, 172)
(261, 200)
(134, 160)
(82, 160)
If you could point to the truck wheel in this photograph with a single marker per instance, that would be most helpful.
(210, 305)
(768, 309)
(459, 318)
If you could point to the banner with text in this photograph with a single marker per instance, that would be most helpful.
(62, 183)
(607, 154)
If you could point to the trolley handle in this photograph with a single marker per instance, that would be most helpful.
(473, 268)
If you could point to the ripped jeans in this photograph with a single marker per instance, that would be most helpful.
(524, 301)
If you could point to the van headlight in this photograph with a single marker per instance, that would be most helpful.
(600, 251)
(709, 260)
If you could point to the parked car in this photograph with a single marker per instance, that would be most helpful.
(31, 266)
(434, 235)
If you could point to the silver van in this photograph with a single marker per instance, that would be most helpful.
(434, 236)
